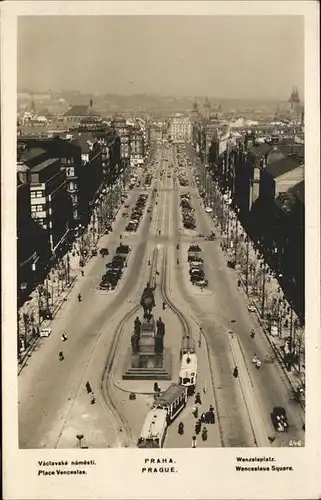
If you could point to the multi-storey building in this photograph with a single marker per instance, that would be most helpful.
(69, 155)
(51, 206)
(32, 239)
(180, 129)
(122, 130)
(137, 145)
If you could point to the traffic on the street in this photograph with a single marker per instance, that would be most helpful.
(157, 344)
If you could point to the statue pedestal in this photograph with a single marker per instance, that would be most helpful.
(144, 363)
(144, 366)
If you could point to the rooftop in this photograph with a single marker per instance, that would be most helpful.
(298, 191)
(84, 139)
(154, 424)
(169, 395)
(43, 165)
(31, 153)
(282, 166)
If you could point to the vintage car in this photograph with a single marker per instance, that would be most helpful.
(279, 419)
(104, 251)
(45, 332)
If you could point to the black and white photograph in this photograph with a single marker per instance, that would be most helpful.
(161, 235)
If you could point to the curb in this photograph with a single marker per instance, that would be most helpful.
(22, 362)
(272, 344)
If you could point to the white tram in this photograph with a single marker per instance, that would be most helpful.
(165, 409)
(154, 429)
(188, 371)
(187, 346)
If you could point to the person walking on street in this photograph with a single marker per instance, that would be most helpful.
(235, 372)
(204, 387)
(79, 297)
(198, 399)
(82, 272)
(194, 442)
(252, 335)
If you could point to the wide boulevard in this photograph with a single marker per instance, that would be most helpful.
(54, 407)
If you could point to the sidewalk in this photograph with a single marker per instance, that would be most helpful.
(279, 322)
(47, 298)
(277, 313)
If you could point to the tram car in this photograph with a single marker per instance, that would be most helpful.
(188, 372)
(154, 429)
(187, 346)
(165, 409)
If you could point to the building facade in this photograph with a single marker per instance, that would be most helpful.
(51, 206)
(180, 129)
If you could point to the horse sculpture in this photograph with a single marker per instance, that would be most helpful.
(147, 301)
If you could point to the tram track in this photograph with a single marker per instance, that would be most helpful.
(186, 327)
(107, 385)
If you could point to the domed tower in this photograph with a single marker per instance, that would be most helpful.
(294, 100)
(195, 112)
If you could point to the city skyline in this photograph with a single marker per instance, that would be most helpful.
(165, 64)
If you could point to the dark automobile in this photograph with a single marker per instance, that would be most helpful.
(131, 226)
(279, 419)
(104, 251)
(194, 248)
(119, 257)
(123, 249)
(231, 264)
(105, 285)
(197, 273)
(194, 258)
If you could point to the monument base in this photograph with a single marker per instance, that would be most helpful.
(147, 366)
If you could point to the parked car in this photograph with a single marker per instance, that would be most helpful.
(104, 251)
(279, 419)
(123, 249)
(45, 332)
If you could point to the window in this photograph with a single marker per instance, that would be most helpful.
(39, 194)
(32, 194)
(40, 208)
(33, 208)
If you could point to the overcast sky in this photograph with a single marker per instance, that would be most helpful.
(227, 57)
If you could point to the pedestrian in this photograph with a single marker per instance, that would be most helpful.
(204, 388)
(93, 399)
(79, 297)
(252, 333)
(88, 388)
(204, 434)
(82, 273)
(194, 442)
(203, 418)
(198, 399)
(235, 372)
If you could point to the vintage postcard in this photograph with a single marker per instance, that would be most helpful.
(161, 250)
